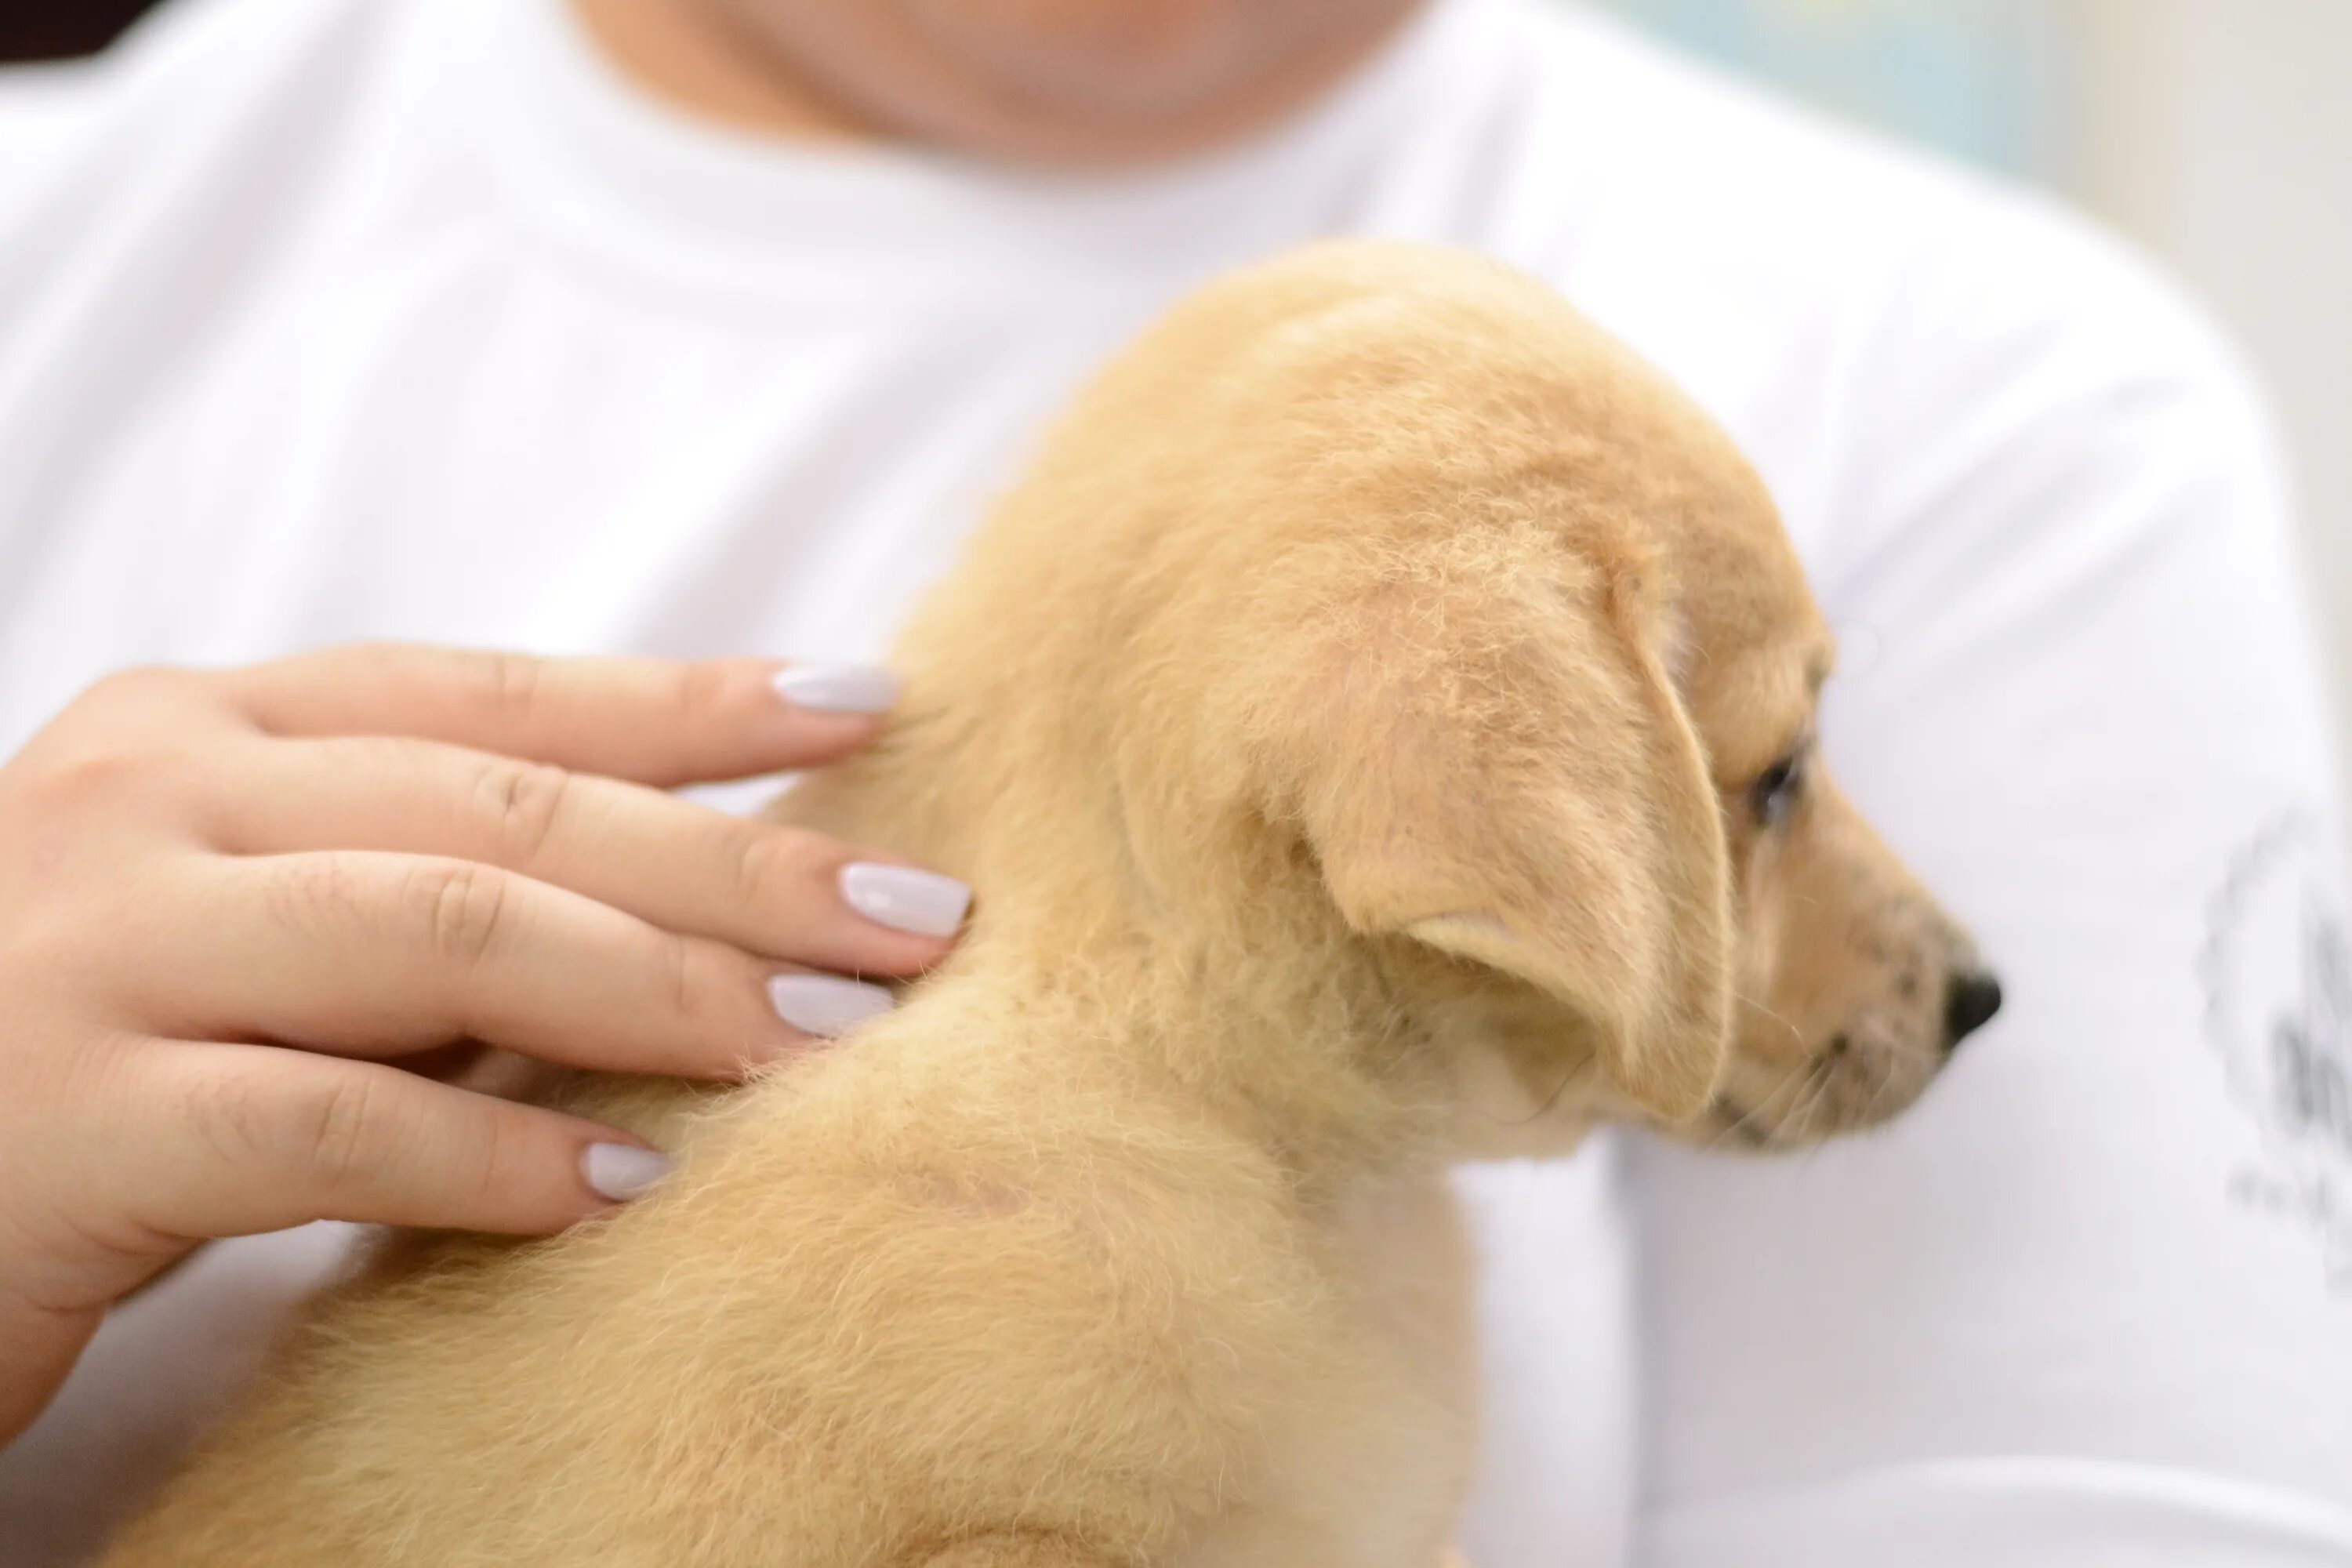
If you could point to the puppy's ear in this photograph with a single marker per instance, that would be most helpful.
(1518, 786)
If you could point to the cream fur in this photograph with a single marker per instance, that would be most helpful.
(1303, 718)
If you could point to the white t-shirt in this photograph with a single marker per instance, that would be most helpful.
(332, 319)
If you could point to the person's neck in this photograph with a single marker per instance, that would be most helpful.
(692, 57)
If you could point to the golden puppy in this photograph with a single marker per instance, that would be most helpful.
(1381, 727)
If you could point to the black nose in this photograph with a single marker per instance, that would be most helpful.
(1970, 1002)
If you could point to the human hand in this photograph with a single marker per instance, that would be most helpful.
(235, 907)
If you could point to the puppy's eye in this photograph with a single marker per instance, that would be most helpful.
(1776, 790)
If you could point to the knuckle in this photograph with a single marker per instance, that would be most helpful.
(701, 691)
(330, 1125)
(225, 1110)
(333, 1127)
(463, 907)
(762, 863)
(103, 778)
(314, 892)
(496, 1157)
(320, 1123)
(504, 687)
(682, 973)
(529, 800)
(513, 682)
(108, 775)
(702, 985)
(137, 687)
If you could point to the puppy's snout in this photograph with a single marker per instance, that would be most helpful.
(1970, 1000)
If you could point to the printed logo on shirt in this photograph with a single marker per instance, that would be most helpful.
(2277, 972)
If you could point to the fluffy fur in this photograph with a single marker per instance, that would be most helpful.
(1351, 724)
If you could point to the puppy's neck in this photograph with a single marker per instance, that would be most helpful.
(1235, 978)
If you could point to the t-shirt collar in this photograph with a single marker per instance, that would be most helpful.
(894, 220)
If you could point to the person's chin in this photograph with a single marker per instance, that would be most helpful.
(1106, 134)
(1149, 75)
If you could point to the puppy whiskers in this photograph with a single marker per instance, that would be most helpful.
(1745, 1001)
(1824, 1081)
(1760, 1136)
(1878, 1095)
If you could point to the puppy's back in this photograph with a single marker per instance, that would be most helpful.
(914, 1291)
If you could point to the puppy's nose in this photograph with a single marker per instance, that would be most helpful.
(1969, 1002)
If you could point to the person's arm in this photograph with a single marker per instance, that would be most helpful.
(2090, 1303)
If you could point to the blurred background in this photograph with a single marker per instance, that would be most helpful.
(2216, 133)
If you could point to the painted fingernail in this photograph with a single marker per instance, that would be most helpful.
(622, 1170)
(825, 1004)
(838, 687)
(903, 898)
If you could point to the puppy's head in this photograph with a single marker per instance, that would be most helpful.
(1516, 653)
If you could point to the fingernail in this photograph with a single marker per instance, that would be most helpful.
(923, 903)
(838, 687)
(622, 1170)
(825, 1004)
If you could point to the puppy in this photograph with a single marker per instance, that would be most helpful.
(1381, 727)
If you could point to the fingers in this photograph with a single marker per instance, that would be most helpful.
(413, 888)
(371, 954)
(760, 886)
(234, 1140)
(654, 721)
